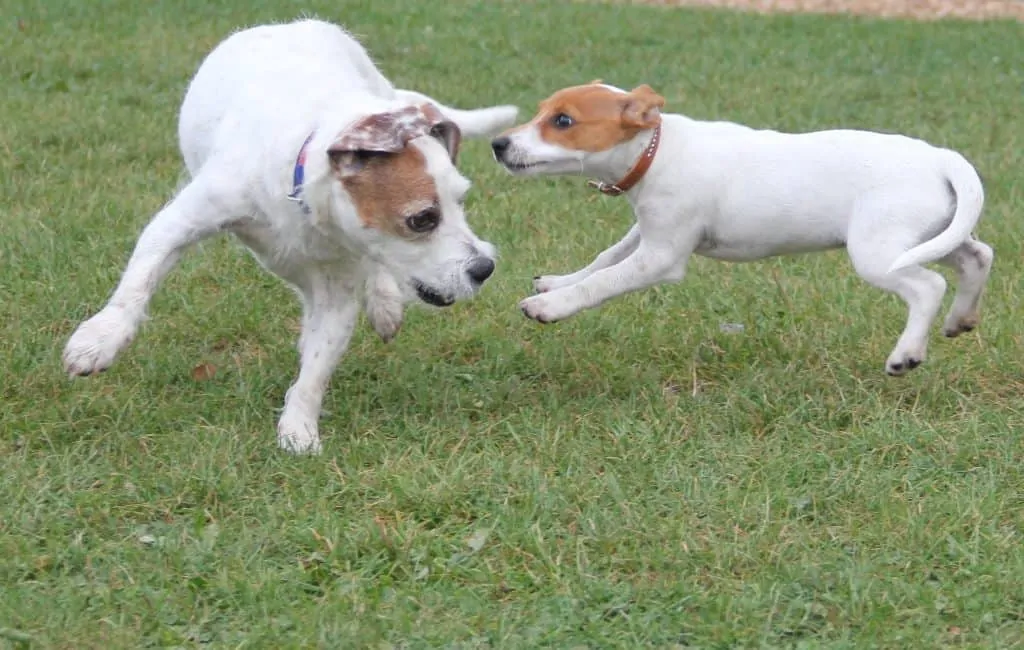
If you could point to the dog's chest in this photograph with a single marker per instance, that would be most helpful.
(289, 247)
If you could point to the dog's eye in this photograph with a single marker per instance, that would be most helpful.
(424, 221)
(562, 121)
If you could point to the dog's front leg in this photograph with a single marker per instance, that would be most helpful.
(650, 264)
(326, 330)
(199, 211)
(609, 257)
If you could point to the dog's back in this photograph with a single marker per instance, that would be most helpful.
(257, 75)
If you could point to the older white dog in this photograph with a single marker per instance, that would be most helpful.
(730, 192)
(340, 184)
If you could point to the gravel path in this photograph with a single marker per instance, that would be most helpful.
(917, 9)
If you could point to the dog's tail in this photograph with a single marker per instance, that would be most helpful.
(474, 123)
(966, 185)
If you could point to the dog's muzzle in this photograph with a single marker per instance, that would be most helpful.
(478, 270)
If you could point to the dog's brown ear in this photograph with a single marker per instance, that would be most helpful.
(642, 108)
(443, 129)
(374, 135)
(389, 133)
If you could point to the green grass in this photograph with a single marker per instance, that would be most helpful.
(632, 477)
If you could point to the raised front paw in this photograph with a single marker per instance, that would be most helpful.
(548, 307)
(546, 283)
(96, 343)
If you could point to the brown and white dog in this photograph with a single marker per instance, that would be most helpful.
(730, 192)
(339, 183)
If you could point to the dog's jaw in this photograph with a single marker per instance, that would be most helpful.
(541, 167)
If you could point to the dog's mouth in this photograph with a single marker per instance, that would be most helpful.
(518, 166)
(431, 296)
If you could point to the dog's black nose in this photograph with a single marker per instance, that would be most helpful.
(480, 269)
(500, 145)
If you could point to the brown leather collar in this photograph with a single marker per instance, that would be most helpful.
(634, 175)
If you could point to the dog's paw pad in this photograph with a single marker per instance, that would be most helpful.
(899, 368)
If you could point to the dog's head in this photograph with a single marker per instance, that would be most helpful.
(575, 124)
(397, 195)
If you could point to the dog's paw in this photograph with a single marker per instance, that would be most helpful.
(956, 324)
(298, 435)
(899, 364)
(384, 308)
(546, 308)
(97, 342)
(546, 283)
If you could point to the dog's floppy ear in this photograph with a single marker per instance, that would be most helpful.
(642, 108)
(389, 133)
(374, 135)
(443, 129)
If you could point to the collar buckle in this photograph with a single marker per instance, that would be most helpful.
(635, 174)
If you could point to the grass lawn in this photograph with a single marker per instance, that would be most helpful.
(637, 476)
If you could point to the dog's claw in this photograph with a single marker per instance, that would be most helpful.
(901, 368)
(536, 318)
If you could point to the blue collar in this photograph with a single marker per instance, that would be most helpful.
(298, 174)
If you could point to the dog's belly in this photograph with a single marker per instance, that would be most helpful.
(742, 245)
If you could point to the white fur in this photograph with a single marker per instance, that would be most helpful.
(730, 192)
(252, 103)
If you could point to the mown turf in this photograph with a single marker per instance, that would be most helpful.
(632, 477)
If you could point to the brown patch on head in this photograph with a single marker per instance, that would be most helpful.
(386, 177)
(387, 188)
(596, 118)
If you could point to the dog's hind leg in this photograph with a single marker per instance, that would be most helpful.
(330, 311)
(474, 123)
(614, 254)
(872, 250)
(197, 212)
(972, 262)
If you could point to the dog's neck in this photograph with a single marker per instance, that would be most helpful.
(620, 163)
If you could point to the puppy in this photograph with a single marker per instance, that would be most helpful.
(734, 193)
(337, 182)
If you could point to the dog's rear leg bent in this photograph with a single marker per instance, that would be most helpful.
(972, 262)
(194, 214)
(921, 289)
(330, 311)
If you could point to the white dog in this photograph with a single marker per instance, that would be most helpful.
(734, 193)
(340, 184)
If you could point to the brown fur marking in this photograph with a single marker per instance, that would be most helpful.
(391, 187)
(602, 117)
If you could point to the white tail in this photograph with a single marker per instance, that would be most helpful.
(970, 198)
(474, 123)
